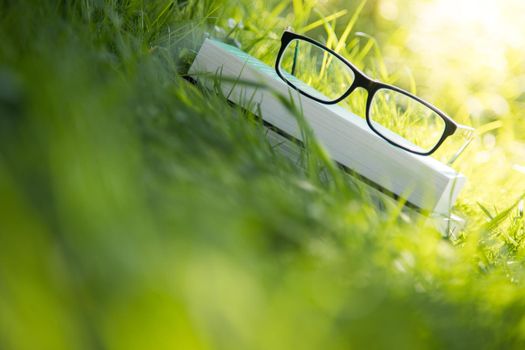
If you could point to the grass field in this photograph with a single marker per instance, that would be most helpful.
(139, 211)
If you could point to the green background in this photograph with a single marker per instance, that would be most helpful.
(139, 211)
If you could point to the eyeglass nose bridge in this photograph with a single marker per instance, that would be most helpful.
(364, 82)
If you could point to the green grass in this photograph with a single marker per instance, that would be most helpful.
(139, 211)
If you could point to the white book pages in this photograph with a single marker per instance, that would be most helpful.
(423, 181)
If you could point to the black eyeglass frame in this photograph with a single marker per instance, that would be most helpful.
(371, 86)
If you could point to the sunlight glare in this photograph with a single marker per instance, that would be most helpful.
(469, 42)
(473, 31)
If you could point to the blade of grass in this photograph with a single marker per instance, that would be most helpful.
(498, 219)
(163, 13)
(322, 20)
(278, 9)
(350, 26)
(485, 211)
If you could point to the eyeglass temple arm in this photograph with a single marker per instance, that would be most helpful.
(469, 134)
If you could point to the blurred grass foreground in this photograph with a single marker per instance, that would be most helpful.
(138, 211)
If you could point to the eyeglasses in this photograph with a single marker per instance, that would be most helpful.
(400, 118)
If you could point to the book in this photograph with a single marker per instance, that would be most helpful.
(422, 181)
